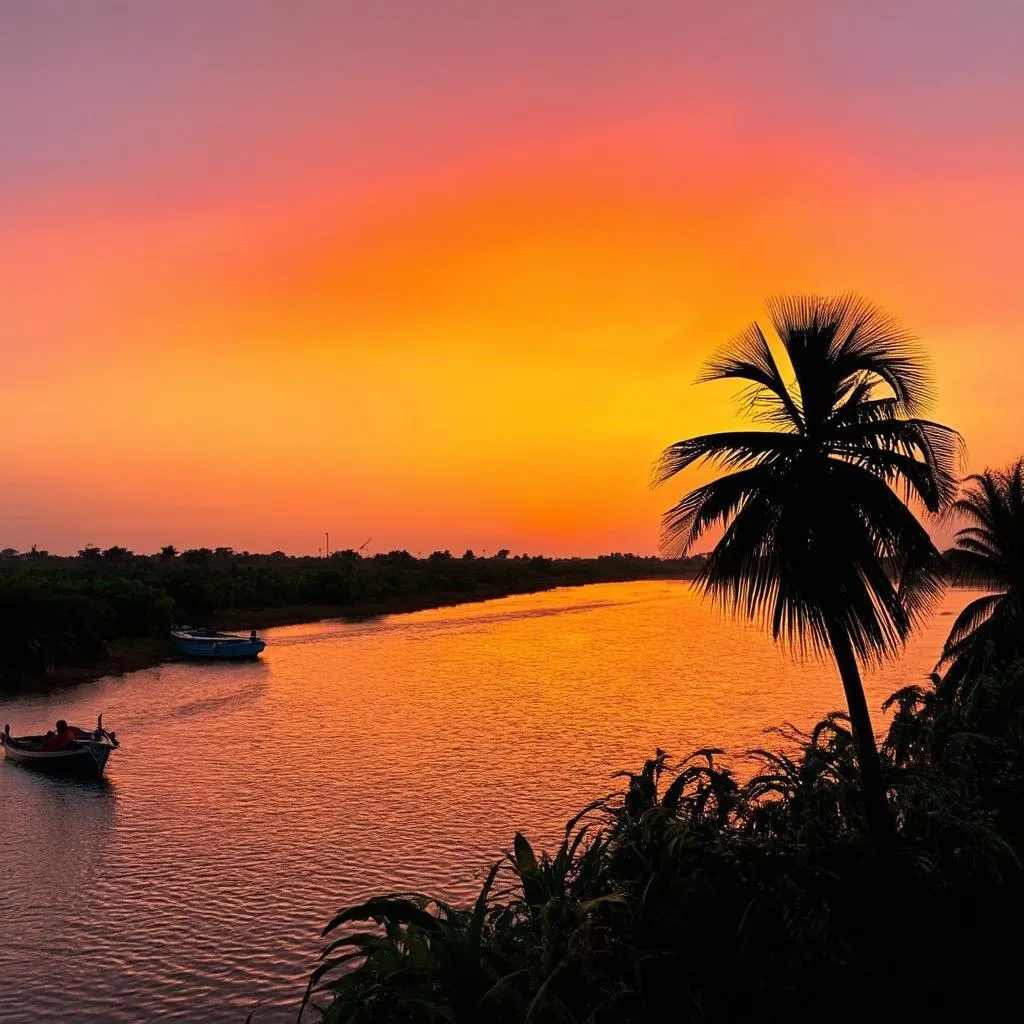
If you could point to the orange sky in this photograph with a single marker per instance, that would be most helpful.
(445, 282)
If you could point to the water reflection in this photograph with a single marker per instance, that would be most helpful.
(247, 802)
(69, 819)
(244, 684)
(55, 835)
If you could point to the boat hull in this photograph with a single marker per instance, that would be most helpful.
(85, 759)
(220, 649)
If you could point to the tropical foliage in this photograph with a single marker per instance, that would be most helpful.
(989, 554)
(704, 892)
(819, 541)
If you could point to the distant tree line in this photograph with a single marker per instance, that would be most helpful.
(58, 611)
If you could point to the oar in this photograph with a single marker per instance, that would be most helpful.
(103, 732)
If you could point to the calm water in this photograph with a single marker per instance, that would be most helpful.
(249, 801)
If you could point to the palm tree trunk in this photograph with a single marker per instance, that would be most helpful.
(876, 805)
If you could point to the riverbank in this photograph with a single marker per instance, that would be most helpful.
(292, 615)
(129, 655)
(67, 621)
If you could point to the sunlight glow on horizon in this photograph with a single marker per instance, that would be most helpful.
(487, 343)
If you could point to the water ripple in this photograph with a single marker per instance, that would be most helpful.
(248, 802)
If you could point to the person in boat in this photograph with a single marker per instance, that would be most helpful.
(59, 740)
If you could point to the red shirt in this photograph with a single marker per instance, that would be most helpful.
(54, 741)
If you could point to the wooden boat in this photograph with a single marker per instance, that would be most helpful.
(208, 643)
(86, 755)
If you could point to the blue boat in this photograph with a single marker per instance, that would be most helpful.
(208, 643)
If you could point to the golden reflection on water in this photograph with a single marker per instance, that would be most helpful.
(249, 801)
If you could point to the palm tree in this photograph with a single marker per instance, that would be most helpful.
(989, 553)
(818, 540)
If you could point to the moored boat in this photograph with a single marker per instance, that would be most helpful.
(85, 754)
(208, 643)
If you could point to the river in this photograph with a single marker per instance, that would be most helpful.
(248, 802)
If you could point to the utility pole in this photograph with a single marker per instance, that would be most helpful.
(327, 544)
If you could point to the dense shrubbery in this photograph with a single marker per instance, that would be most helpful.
(57, 612)
(714, 899)
(50, 619)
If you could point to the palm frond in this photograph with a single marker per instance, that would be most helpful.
(702, 509)
(860, 407)
(980, 541)
(967, 624)
(937, 449)
(749, 357)
(870, 341)
(977, 565)
(989, 553)
(728, 450)
(832, 341)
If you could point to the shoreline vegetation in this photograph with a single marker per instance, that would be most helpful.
(65, 620)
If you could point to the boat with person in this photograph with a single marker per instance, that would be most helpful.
(70, 750)
(208, 643)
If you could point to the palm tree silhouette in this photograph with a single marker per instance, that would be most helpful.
(818, 540)
(989, 553)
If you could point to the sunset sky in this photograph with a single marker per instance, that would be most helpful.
(442, 273)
